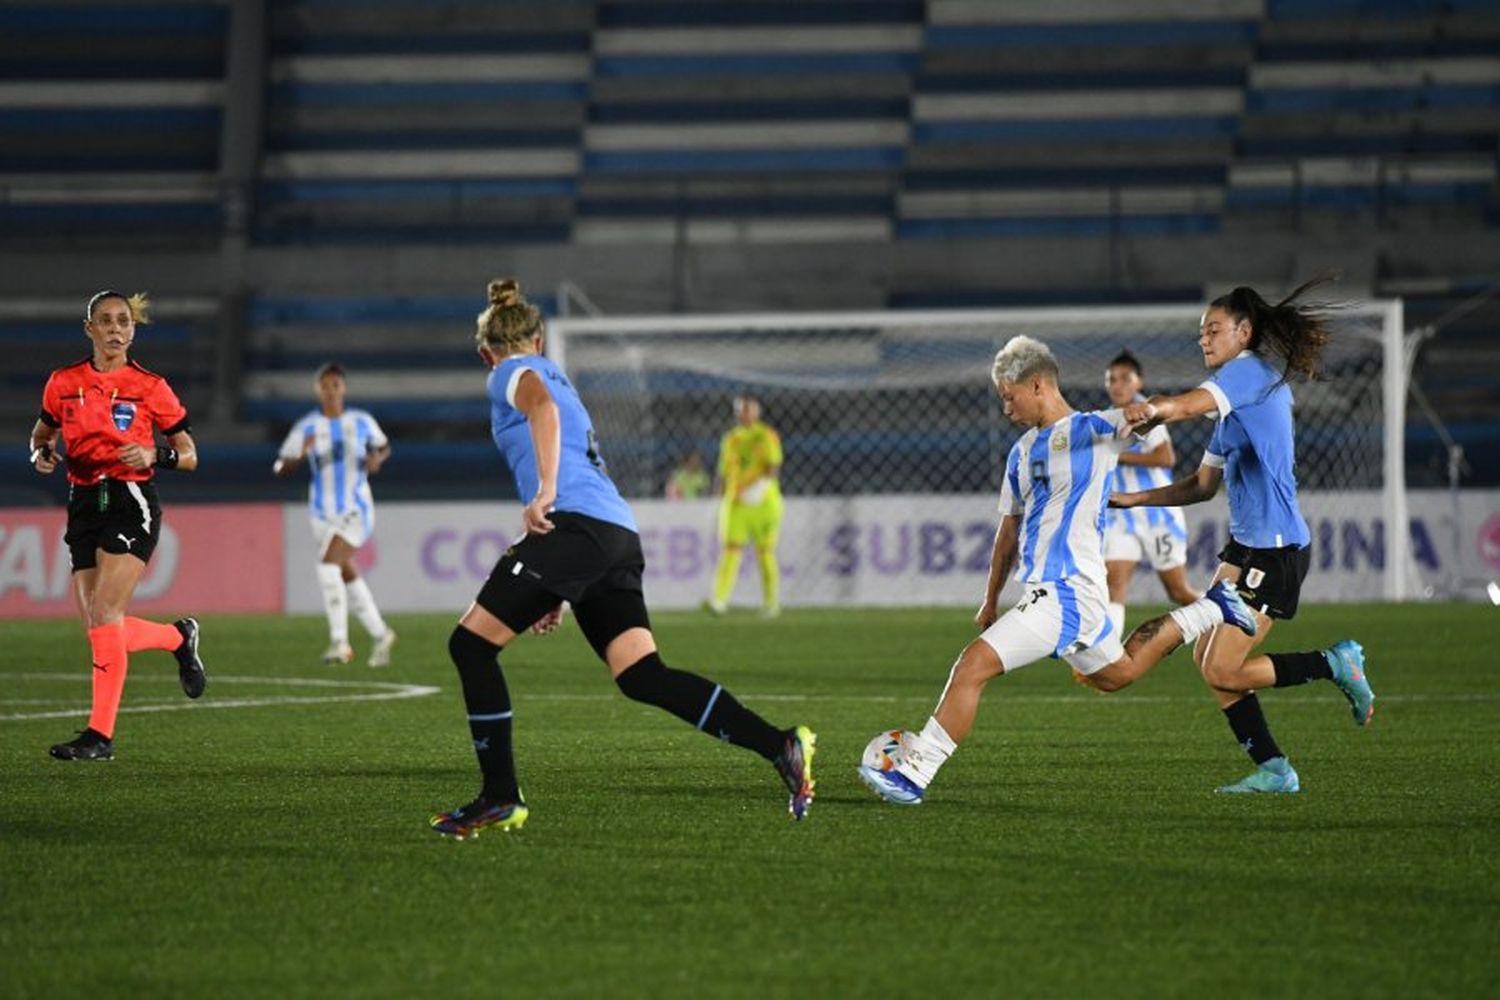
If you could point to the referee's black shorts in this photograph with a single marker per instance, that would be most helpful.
(122, 518)
(594, 565)
(1270, 579)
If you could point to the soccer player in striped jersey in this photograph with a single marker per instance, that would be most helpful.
(107, 410)
(1052, 501)
(342, 448)
(581, 546)
(1156, 534)
(1268, 554)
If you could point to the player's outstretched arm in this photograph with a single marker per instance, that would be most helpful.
(1170, 409)
(1162, 456)
(1202, 485)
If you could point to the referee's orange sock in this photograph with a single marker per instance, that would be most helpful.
(108, 645)
(142, 634)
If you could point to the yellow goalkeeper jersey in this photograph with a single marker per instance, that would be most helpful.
(747, 453)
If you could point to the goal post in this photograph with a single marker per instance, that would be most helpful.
(897, 403)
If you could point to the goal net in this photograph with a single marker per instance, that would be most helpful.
(890, 427)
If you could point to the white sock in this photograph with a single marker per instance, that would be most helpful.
(1197, 618)
(335, 601)
(1117, 619)
(925, 752)
(362, 603)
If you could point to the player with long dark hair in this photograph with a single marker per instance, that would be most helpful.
(108, 410)
(581, 546)
(1255, 349)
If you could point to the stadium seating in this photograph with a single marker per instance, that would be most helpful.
(569, 125)
(110, 123)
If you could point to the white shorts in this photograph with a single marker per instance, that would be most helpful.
(1163, 545)
(353, 526)
(1067, 619)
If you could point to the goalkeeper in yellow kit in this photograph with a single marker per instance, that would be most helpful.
(750, 512)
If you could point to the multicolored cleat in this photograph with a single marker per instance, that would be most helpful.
(465, 822)
(1236, 611)
(892, 785)
(794, 764)
(1347, 660)
(1275, 776)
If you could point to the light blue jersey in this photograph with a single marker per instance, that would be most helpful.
(583, 486)
(1253, 444)
(336, 449)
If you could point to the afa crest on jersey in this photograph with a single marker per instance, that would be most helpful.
(124, 414)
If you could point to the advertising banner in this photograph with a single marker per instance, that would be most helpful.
(888, 550)
(210, 560)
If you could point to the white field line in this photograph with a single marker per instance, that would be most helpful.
(387, 691)
(393, 692)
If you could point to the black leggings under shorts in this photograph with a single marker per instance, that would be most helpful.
(594, 565)
(1270, 579)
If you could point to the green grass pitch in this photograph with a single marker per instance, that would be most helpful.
(278, 846)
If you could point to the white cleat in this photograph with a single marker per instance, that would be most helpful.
(380, 656)
(338, 652)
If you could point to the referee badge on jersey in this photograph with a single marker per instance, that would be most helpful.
(124, 414)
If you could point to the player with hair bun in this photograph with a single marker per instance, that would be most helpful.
(107, 410)
(580, 546)
(1268, 554)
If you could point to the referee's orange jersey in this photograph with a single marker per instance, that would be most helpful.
(101, 412)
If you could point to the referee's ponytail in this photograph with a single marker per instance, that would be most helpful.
(1292, 330)
(139, 305)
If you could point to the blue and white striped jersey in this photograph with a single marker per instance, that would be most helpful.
(335, 448)
(1057, 479)
(1134, 478)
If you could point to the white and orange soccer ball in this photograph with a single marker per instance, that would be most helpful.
(883, 752)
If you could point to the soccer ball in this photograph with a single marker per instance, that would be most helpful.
(881, 752)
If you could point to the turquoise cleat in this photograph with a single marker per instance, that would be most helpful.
(1275, 776)
(1347, 660)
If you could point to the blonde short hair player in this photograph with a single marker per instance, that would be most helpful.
(1052, 499)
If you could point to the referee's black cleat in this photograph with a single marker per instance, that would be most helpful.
(189, 667)
(90, 745)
